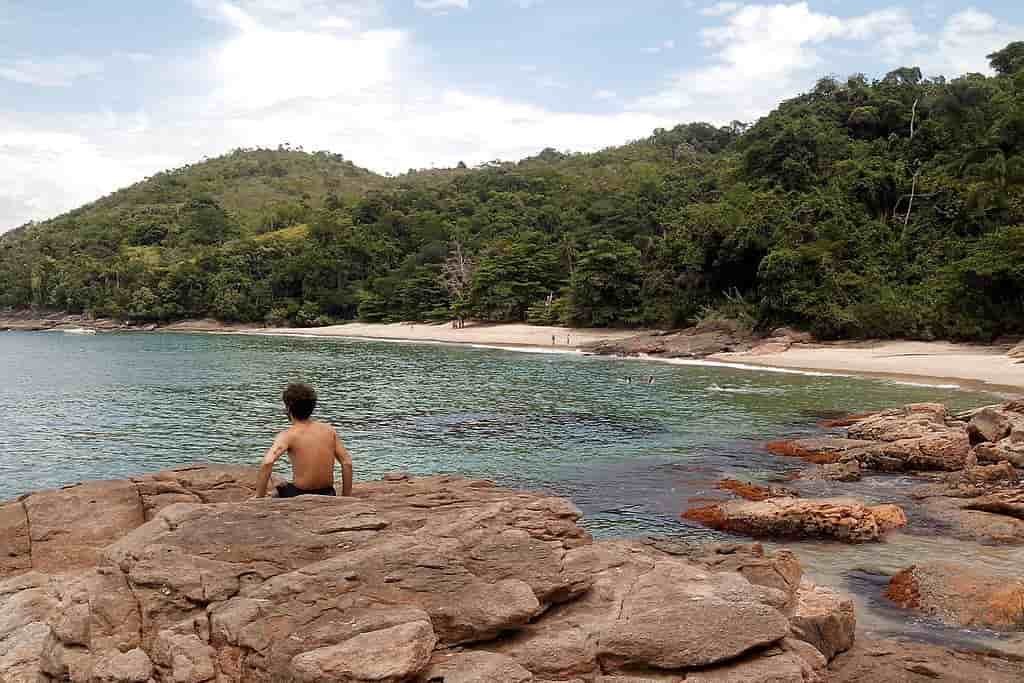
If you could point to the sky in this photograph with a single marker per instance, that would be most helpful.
(95, 96)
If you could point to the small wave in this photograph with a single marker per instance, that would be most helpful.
(743, 366)
(746, 390)
(926, 385)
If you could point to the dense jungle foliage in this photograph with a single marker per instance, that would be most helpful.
(892, 207)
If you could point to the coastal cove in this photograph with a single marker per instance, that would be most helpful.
(632, 456)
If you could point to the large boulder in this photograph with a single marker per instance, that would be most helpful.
(946, 450)
(843, 519)
(908, 422)
(68, 528)
(993, 424)
(960, 596)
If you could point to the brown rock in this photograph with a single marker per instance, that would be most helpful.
(845, 421)
(966, 523)
(824, 619)
(840, 518)
(946, 450)
(702, 610)
(991, 424)
(123, 667)
(819, 450)
(473, 667)
(389, 655)
(71, 526)
(847, 470)
(774, 666)
(909, 422)
(367, 587)
(26, 603)
(750, 491)
(892, 661)
(15, 549)
(1010, 449)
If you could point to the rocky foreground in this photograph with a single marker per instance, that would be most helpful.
(178, 577)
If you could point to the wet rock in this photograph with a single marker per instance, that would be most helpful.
(844, 421)
(843, 519)
(819, 450)
(889, 661)
(970, 482)
(847, 470)
(966, 523)
(1008, 502)
(960, 596)
(750, 491)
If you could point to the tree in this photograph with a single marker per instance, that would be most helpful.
(1009, 60)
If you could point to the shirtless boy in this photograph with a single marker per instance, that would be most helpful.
(312, 448)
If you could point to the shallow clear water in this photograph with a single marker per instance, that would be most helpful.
(630, 455)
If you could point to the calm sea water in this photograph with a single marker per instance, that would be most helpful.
(629, 454)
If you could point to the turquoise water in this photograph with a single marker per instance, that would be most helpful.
(111, 405)
(630, 455)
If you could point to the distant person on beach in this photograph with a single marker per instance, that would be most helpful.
(312, 447)
(650, 380)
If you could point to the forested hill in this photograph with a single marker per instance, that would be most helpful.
(892, 207)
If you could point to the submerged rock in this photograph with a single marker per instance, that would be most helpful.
(959, 596)
(755, 492)
(843, 519)
(409, 580)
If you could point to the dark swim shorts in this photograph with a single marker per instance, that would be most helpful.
(290, 490)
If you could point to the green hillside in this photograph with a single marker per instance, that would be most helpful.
(892, 207)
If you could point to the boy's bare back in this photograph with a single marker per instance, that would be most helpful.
(312, 447)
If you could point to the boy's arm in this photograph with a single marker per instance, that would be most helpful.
(276, 450)
(344, 459)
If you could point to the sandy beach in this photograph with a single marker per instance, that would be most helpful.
(504, 334)
(967, 365)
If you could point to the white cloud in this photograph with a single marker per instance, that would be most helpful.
(965, 39)
(435, 5)
(762, 54)
(352, 91)
(51, 73)
(338, 23)
(720, 9)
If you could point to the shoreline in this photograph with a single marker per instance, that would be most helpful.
(936, 364)
(971, 367)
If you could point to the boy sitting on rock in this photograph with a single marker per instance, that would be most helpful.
(312, 448)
